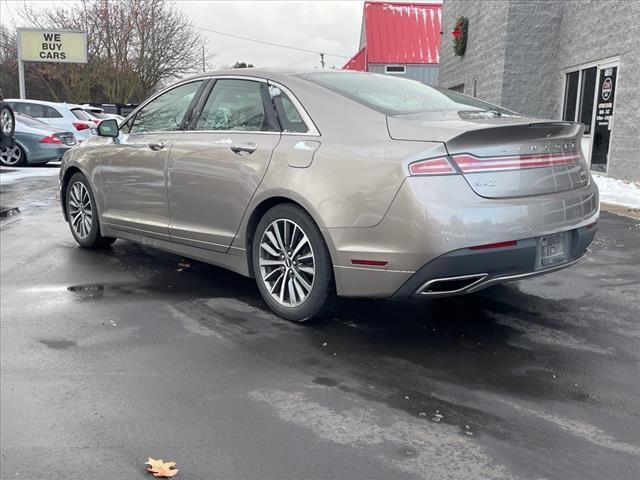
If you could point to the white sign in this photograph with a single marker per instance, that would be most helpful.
(60, 46)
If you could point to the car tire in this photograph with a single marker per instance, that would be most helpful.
(82, 214)
(13, 156)
(7, 121)
(299, 272)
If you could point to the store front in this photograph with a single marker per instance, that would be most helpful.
(589, 96)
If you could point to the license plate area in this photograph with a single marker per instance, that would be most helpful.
(552, 250)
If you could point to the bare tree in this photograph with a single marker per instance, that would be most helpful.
(134, 47)
(168, 46)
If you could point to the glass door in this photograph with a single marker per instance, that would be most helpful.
(603, 117)
(585, 90)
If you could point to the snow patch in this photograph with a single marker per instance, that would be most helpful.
(11, 175)
(549, 336)
(618, 192)
(585, 431)
(433, 447)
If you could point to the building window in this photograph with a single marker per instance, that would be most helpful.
(571, 96)
(586, 98)
(395, 69)
(579, 93)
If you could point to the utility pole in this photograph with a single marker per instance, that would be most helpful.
(322, 59)
(21, 82)
(203, 62)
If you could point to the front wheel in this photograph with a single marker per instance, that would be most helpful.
(7, 121)
(82, 214)
(292, 264)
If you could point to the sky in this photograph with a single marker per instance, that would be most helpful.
(330, 26)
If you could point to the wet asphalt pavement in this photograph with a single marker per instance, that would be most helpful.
(108, 357)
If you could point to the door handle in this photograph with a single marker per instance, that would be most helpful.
(244, 148)
(155, 146)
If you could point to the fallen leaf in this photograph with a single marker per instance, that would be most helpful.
(183, 266)
(161, 469)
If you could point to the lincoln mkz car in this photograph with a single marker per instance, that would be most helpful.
(336, 184)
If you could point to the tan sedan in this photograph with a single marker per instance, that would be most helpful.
(328, 184)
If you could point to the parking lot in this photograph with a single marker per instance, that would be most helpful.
(113, 356)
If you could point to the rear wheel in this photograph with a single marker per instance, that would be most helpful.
(292, 264)
(83, 215)
(12, 156)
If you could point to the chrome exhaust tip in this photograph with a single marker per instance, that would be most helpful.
(451, 285)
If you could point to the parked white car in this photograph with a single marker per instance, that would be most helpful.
(98, 114)
(63, 116)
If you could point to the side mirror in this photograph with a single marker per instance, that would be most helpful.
(108, 128)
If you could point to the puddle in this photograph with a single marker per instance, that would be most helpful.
(59, 344)
(325, 381)
(8, 212)
(86, 292)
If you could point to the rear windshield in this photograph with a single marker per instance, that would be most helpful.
(394, 96)
(98, 115)
(80, 114)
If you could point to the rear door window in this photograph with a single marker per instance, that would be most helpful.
(51, 112)
(237, 105)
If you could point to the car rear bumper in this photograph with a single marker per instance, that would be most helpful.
(41, 152)
(432, 223)
(466, 271)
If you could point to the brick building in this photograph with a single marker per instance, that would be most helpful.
(571, 59)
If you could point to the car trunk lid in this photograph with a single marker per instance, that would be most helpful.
(501, 155)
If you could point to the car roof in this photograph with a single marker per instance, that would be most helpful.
(276, 74)
(44, 102)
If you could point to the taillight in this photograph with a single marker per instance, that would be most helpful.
(80, 126)
(51, 139)
(432, 166)
(470, 163)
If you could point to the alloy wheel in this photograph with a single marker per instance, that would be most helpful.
(80, 210)
(10, 156)
(6, 122)
(287, 263)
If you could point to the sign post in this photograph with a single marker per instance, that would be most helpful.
(57, 46)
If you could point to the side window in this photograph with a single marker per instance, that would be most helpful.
(31, 109)
(126, 127)
(288, 114)
(51, 112)
(17, 107)
(166, 112)
(236, 105)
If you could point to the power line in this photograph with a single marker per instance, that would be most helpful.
(306, 58)
(272, 44)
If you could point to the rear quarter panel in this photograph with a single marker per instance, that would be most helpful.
(356, 171)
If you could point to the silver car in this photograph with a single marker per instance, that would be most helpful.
(35, 143)
(336, 184)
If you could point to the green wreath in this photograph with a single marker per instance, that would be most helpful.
(459, 34)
